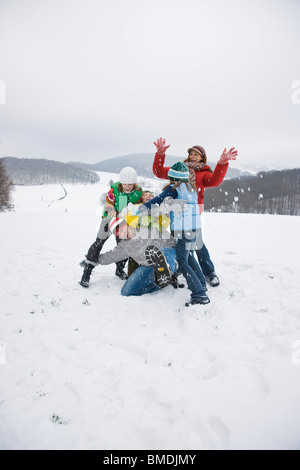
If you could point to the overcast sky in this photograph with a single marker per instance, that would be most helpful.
(87, 80)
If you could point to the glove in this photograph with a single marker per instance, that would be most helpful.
(226, 156)
(132, 208)
(142, 210)
(137, 209)
(176, 205)
(157, 211)
(125, 211)
(161, 146)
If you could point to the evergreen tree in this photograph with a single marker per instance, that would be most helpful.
(6, 187)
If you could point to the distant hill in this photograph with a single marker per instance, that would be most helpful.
(142, 162)
(32, 171)
(272, 192)
(268, 192)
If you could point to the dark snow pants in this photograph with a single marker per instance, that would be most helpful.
(95, 249)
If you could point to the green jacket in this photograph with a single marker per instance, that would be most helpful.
(116, 201)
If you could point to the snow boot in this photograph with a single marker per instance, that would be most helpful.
(213, 280)
(157, 261)
(94, 250)
(85, 280)
(175, 283)
(93, 253)
(203, 301)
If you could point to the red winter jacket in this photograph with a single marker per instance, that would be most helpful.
(205, 178)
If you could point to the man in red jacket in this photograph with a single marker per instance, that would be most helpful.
(202, 175)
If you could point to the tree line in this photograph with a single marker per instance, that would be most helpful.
(271, 192)
(30, 171)
(6, 187)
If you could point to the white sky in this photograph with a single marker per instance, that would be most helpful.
(87, 80)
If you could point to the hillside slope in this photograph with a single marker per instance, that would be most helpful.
(32, 171)
(143, 162)
(272, 192)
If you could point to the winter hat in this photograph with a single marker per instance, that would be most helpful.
(115, 223)
(179, 172)
(128, 175)
(200, 150)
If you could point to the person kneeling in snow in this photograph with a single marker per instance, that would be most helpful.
(156, 256)
(185, 227)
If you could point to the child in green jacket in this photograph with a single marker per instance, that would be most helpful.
(119, 196)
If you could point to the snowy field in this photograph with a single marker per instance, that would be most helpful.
(89, 369)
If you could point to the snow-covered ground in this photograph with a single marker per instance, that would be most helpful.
(89, 369)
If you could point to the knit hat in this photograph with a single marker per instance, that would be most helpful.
(114, 224)
(128, 175)
(179, 172)
(200, 150)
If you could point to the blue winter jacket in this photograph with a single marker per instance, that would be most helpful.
(187, 220)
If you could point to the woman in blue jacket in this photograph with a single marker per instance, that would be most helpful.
(185, 227)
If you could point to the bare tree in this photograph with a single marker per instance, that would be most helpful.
(6, 187)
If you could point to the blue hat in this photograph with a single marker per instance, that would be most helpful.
(179, 172)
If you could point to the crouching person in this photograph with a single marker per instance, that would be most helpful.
(156, 256)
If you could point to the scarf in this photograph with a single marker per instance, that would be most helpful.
(193, 167)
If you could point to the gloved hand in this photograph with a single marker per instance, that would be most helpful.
(226, 156)
(138, 209)
(176, 205)
(142, 210)
(126, 209)
(161, 146)
(155, 211)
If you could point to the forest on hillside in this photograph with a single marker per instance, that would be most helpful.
(271, 192)
(30, 171)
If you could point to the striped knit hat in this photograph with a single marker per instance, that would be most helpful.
(179, 172)
(114, 224)
(200, 150)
